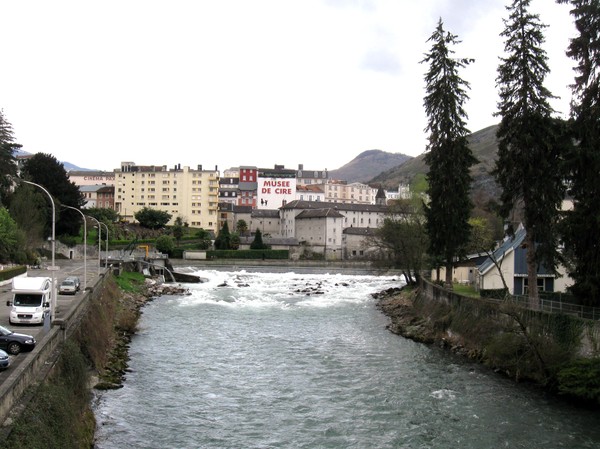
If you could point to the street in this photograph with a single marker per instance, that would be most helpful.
(64, 302)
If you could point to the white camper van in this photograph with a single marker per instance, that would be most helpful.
(31, 300)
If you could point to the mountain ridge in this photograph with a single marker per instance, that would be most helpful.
(483, 144)
(367, 165)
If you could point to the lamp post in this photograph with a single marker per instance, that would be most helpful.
(99, 240)
(53, 267)
(84, 245)
(106, 252)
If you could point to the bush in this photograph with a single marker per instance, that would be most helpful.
(249, 254)
(581, 379)
(68, 240)
(177, 253)
(165, 244)
(494, 293)
(10, 273)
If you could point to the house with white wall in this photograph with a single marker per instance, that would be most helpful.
(511, 261)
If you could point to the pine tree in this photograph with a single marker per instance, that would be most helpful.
(529, 141)
(223, 240)
(581, 231)
(449, 157)
(257, 243)
(8, 164)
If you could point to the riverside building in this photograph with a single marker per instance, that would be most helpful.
(192, 194)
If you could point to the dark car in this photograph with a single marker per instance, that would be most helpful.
(4, 360)
(14, 343)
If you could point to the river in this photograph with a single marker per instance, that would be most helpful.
(285, 360)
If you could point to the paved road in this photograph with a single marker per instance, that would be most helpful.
(67, 268)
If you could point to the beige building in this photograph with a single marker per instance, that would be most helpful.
(353, 193)
(191, 194)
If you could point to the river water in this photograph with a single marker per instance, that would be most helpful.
(284, 360)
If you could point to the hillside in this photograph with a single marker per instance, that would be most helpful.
(484, 146)
(68, 166)
(367, 165)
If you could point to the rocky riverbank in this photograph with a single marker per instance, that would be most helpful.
(114, 373)
(524, 345)
(397, 304)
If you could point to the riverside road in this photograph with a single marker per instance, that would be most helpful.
(64, 302)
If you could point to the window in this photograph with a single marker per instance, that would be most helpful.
(541, 283)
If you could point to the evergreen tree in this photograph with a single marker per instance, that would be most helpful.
(581, 230)
(178, 230)
(529, 148)
(449, 157)
(8, 163)
(9, 236)
(257, 243)
(45, 170)
(223, 240)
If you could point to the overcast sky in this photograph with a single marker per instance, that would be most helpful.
(239, 82)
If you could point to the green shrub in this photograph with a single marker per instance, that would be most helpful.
(249, 254)
(581, 379)
(165, 244)
(494, 293)
(69, 240)
(10, 273)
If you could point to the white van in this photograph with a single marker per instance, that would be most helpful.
(31, 300)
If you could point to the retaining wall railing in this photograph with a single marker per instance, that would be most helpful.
(544, 305)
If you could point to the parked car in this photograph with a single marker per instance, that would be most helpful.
(67, 287)
(76, 280)
(4, 360)
(14, 343)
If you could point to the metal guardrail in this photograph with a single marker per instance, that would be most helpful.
(543, 305)
(551, 306)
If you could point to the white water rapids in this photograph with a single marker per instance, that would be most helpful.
(284, 360)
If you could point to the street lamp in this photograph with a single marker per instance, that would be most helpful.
(99, 240)
(106, 252)
(53, 267)
(84, 245)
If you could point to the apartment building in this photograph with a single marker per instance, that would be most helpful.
(229, 189)
(310, 177)
(354, 193)
(192, 194)
(310, 193)
(247, 186)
